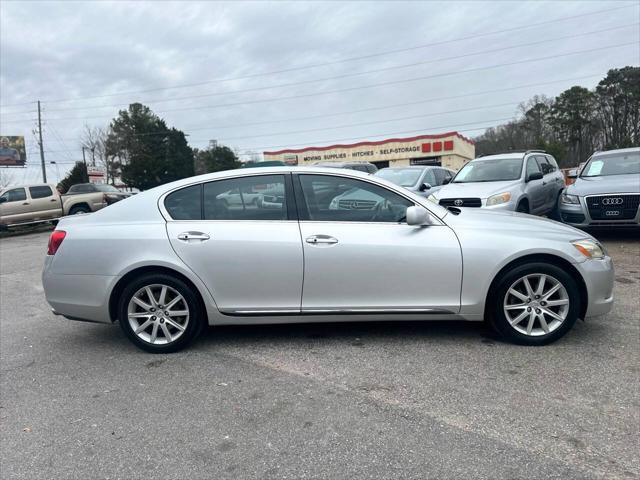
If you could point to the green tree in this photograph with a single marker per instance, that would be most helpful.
(574, 118)
(618, 99)
(78, 174)
(147, 151)
(216, 159)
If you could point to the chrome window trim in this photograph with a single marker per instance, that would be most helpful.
(337, 173)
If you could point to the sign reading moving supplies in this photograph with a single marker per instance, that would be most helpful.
(12, 151)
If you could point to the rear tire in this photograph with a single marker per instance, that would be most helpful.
(78, 209)
(543, 320)
(165, 323)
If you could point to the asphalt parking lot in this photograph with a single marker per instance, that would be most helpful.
(360, 400)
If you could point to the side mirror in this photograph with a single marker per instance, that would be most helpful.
(425, 186)
(417, 216)
(446, 180)
(534, 176)
(573, 173)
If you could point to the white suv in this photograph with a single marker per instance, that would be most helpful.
(528, 182)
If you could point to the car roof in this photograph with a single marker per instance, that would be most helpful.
(27, 185)
(416, 167)
(617, 151)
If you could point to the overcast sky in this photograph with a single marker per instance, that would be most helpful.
(344, 62)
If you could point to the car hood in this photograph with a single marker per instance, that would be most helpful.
(606, 184)
(475, 189)
(520, 224)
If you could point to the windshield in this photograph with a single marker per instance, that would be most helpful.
(107, 188)
(405, 177)
(616, 164)
(490, 170)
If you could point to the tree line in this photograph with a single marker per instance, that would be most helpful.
(576, 123)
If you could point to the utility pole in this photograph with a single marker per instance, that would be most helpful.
(84, 159)
(44, 170)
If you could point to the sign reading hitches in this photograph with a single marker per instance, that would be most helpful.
(12, 151)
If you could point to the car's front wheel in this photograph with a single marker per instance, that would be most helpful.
(535, 304)
(160, 313)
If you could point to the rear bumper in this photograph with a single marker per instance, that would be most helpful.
(78, 297)
(598, 276)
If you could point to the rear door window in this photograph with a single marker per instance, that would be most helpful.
(42, 191)
(260, 197)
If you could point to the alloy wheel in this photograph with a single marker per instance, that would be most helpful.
(158, 314)
(536, 304)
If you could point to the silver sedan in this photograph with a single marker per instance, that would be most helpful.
(169, 261)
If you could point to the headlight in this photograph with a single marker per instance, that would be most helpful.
(432, 198)
(589, 248)
(498, 199)
(569, 199)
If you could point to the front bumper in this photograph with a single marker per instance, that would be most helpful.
(577, 215)
(598, 275)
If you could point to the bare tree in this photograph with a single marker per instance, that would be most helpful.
(7, 177)
(93, 139)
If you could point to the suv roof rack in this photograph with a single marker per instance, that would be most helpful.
(524, 152)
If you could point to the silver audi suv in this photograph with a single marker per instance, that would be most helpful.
(606, 192)
(527, 182)
(169, 261)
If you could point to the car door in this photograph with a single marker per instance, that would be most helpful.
(361, 256)
(548, 182)
(535, 189)
(249, 254)
(45, 204)
(15, 206)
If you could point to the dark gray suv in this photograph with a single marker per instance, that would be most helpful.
(606, 193)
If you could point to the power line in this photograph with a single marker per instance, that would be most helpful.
(362, 87)
(384, 107)
(346, 75)
(344, 60)
(387, 134)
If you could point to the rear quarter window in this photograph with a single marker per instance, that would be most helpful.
(185, 204)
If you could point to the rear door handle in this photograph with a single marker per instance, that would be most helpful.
(321, 239)
(186, 236)
(26, 203)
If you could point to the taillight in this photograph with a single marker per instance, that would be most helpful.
(55, 240)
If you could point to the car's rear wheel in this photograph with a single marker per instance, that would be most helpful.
(160, 313)
(535, 304)
(78, 209)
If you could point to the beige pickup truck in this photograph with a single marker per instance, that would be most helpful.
(39, 203)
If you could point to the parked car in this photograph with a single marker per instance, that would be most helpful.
(164, 265)
(40, 203)
(527, 182)
(421, 180)
(89, 197)
(365, 167)
(606, 193)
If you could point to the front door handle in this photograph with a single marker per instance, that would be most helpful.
(186, 236)
(321, 239)
(26, 203)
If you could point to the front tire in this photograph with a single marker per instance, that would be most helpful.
(160, 313)
(535, 304)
